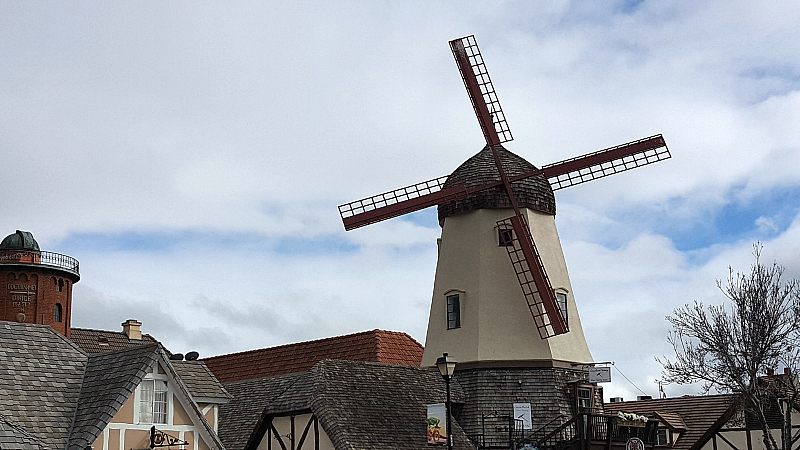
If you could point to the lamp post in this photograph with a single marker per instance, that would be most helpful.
(447, 366)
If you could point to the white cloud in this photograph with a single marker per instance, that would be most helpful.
(258, 119)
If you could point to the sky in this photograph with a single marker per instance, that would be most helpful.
(191, 156)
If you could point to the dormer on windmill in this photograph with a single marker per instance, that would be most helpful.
(502, 292)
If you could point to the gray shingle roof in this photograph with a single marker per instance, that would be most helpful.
(13, 437)
(199, 380)
(361, 405)
(534, 192)
(40, 380)
(109, 380)
(239, 417)
(55, 396)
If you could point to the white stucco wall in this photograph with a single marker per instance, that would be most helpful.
(496, 324)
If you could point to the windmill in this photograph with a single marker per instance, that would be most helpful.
(514, 230)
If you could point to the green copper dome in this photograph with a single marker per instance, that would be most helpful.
(21, 240)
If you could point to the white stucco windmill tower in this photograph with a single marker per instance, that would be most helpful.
(502, 303)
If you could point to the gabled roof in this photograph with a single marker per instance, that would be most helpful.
(102, 341)
(673, 421)
(41, 373)
(55, 396)
(362, 405)
(109, 380)
(702, 415)
(376, 345)
(202, 384)
(238, 418)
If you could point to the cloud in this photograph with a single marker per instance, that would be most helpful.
(192, 158)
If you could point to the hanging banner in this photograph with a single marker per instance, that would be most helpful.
(522, 411)
(437, 424)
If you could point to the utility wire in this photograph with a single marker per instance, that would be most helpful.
(629, 381)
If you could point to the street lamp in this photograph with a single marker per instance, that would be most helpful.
(447, 366)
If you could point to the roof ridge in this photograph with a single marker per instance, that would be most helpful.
(332, 338)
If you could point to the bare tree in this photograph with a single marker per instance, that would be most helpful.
(729, 348)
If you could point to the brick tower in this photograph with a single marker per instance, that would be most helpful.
(36, 286)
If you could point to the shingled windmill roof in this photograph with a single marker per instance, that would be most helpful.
(534, 192)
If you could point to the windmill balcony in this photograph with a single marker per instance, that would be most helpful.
(40, 258)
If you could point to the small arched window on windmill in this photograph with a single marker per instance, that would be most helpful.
(60, 286)
(57, 313)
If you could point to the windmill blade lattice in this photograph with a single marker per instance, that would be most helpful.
(468, 58)
(606, 162)
(542, 303)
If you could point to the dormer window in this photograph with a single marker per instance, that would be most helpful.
(153, 401)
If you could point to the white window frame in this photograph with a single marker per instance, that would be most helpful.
(565, 311)
(152, 375)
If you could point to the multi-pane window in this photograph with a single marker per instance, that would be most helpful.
(153, 401)
(561, 301)
(453, 312)
(57, 313)
(584, 399)
(505, 237)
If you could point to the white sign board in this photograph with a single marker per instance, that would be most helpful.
(600, 374)
(522, 411)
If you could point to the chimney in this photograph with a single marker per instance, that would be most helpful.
(131, 328)
(770, 372)
(787, 371)
(644, 397)
(616, 399)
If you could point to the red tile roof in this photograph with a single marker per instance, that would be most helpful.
(382, 346)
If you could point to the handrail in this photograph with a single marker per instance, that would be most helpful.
(51, 259)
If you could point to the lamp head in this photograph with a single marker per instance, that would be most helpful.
(446, 365)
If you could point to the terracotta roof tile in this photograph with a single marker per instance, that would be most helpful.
(102, 341)
(382, 346)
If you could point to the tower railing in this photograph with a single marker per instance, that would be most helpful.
(51, 259)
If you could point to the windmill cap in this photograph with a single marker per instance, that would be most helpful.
(534, 192)
(20, 240)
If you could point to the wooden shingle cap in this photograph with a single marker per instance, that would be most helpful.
(534, 192)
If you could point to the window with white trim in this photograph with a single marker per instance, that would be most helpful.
(153, 401)
(561, 302)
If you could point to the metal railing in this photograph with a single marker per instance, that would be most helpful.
(51, 259)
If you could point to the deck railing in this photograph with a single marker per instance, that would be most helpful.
(51, 259)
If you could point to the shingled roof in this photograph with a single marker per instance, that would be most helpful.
(109, 379)
(55, 396)
(40, 380)
(701, 415)
(202, 384)
(14, 437)
(534, 192)
(102, 341)
(388, 347)
(362, 405)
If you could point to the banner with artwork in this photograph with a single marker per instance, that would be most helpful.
(437, 424)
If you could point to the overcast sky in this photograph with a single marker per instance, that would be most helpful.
(192, 155)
